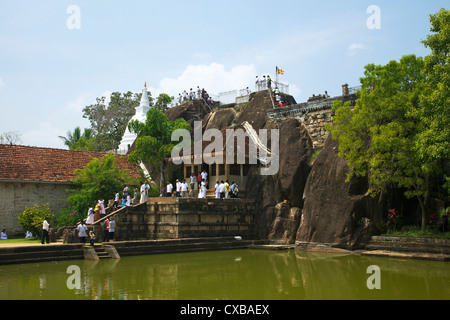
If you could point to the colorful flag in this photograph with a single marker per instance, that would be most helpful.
(280, 71)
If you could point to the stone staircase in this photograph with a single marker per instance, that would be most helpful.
(100, 251)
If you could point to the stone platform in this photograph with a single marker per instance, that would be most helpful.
(180, 218)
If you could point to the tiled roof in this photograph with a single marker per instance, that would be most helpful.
(22, 163)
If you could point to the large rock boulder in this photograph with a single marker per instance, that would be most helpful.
(285, 187)
(190, 111)
(296, 149)
(335, 211)
(255, 113)
(220, 119)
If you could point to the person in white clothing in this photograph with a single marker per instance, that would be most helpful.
(45, 230)
(204, 175)
(184, 189)
(169, 189)
(217, 190)
(102, 206)
(144, 192)
(82, 232)
(222, 189)
(90, 218)
(178, 188)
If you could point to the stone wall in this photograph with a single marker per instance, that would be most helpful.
(17, 196)
(183, 218)
(315, 123)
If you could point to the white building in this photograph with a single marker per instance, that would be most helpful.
(141, 114)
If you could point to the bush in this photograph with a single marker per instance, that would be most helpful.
(68, 217)
(32, 218)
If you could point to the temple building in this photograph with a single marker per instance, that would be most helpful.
(141, 114)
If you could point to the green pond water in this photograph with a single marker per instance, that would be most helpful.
(228, 275)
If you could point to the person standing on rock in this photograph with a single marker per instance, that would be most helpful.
(258, 84)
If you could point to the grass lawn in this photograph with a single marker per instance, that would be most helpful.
(22, 240)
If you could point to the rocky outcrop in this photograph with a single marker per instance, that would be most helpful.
(335, 211)
(190, 111)
(255, 113)
(295, 152)
(279, 197)
(220, 119)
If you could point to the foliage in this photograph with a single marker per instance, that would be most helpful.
(69, 217)
(32, 218)
(154, 143)
(98, 179)
(78, 141)
(10, 137)
(418, 233)
(397, 134)
(163, 102)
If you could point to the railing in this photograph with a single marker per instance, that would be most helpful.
(231, 96)
(353, 90)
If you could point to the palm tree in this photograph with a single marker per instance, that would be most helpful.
(74, 138)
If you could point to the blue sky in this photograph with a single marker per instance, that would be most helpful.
(49, 72)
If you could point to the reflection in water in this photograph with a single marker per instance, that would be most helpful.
(229, 275)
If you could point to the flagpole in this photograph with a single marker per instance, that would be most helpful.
(276, 77)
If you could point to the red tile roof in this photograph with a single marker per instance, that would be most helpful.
(22, 163)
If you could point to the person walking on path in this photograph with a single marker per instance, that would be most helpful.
(45, 230)
(102, 207)
(144, 192)
(90, 217)
(82, 232)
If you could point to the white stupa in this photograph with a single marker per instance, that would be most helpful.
(141, 115)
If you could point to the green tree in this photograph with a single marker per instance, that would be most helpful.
(98, 179)
(31, 219)
(383, 136)
(154, 145)
(163, 102)
(77, 141)
(433, 143)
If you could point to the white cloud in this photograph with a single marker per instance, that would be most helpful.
(355, 47)
(1, 83)
(214, 78)
(44, 136)
(80, 103)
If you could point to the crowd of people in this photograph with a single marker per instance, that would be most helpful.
(263, 83)
(224, 190)
(98, 211)
(199, 94)
(182, 188)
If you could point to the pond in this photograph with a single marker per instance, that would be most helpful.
(229, 275)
